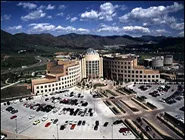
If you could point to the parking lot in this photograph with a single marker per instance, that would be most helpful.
(84, 117)
(160, 101)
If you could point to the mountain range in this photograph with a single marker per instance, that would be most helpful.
(15, 42)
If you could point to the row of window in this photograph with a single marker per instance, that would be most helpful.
(140, 80)
(57, 88)
(117, 62)
(137, 76)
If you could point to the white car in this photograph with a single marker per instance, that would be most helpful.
(31, 117)
(44, 118)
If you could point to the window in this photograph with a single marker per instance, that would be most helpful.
(148, 76)
(41, 87)
(132, 76)
(141, 71)
(49, 85)
(128, 67)
(49, 89)
(125, 75)
(133, 71)
(152, 76)
(37, 91)
(136, 76)
(140, 76)
(136, 71)
(46, 90)
(38, 87)
(41, 91)
(45, 86)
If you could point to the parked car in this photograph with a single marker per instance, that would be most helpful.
(55, 121)
(105, 124)
(62, 127)
(80, 122)
(96, 127)
(31, 117)
(44, 118)
(83, 123)
(36, 122)
(47, 124)
(73, 126)
(13, 117)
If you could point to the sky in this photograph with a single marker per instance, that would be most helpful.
(134, 18)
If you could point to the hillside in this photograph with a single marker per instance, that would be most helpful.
(19, 41)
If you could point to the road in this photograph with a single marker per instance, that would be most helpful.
(42, 61)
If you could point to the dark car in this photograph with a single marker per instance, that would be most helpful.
(83, 123)
(96, 127)
(112, 97)
(80, 122)
(62, 127)
(55, 121)
(105, 124)
(97, 123)
(117, 122)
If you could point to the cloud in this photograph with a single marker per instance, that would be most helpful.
(105, 28)
(136, 29)
(27, 5)
(161, 31)
(73, 19)
(62, 7)
(151, 12)
(47, 27)
(106, 13)
(60, 14)
(90, 15)
(15, 27)
(50, 7)
(50, 17)
(68, 17)
(181, 34)
(154, 15)
(41, 27)
(34, 15)
(177, 26)
(41, 7)
(6, 17)
(71, 29)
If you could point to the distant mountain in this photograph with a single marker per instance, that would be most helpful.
(19, 41)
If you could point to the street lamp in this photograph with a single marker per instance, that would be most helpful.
(112, 130)
(57, 132)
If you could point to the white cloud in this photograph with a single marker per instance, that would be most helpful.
(50, 17)
(15, 27)
(90, 15)
(50, 7)
(6, 17)
(41, 7)
(34, 15)
(27, 5)
(62, 7)
(153, 15)
(73, 19)
(181, 34)
(60, 14)
(135, 29)
(151, 12)
(83, 30)
(41, 27)
(177, 26)
(161, 31)
(68, 17)
(107, 12)
(47, 27)
(106, 28)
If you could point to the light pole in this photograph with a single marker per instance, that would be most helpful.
(57, 131)
(16, 127)
(112, 130)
